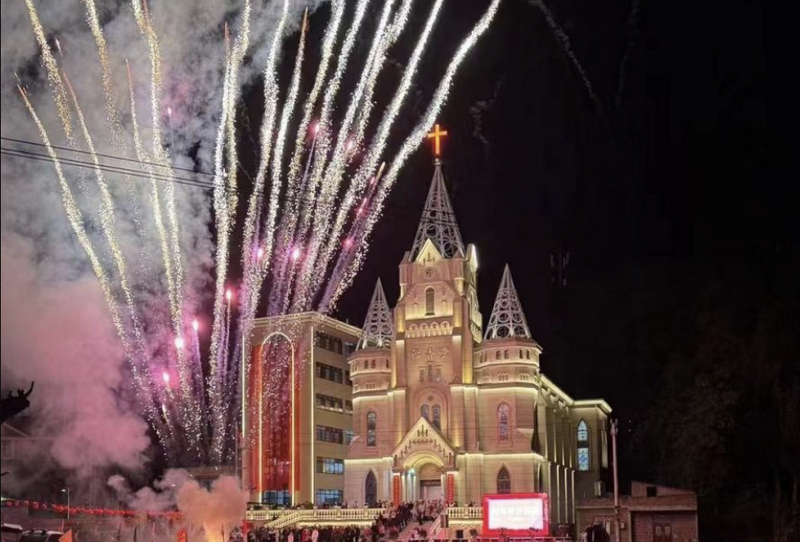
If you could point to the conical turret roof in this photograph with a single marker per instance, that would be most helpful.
(507, 318)
(378, 331)
(438, 222)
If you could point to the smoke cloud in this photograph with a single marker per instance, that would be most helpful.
(209, 511)
(55, 325)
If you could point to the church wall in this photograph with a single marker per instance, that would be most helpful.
(355, 480)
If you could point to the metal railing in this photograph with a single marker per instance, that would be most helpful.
(465, 512)
(278, 519)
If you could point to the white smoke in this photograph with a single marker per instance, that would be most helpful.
(55, 326)
(211, 512)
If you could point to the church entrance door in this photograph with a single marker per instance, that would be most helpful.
(432, 490)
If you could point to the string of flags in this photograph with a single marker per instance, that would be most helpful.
(63, 509)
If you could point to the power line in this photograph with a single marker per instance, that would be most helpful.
(109, 156)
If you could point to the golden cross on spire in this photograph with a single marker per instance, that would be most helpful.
(437, 136)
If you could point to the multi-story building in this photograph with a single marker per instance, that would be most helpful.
(298, 409)
(447, 408)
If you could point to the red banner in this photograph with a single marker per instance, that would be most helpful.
(450, 495)
(396, 497)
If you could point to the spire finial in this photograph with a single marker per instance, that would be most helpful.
(507, 318)
(437, 136)
(378, 329)
(438, 221)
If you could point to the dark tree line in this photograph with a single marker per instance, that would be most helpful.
(724, 420)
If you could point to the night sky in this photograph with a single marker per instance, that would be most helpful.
(649, 189)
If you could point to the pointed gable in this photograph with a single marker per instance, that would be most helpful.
(424, 437)
(378, 331)
(507, 318)
(438, 222)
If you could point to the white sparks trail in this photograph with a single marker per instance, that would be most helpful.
(225, 204)
(378, 146)
(347, 269)
(53, 75)
(563, 40)
(107, 223)
(306, 232)
(141, 374)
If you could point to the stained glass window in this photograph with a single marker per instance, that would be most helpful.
(503, 481)
(503, 415)
(583, 459)
(437, 416)
(372, 423)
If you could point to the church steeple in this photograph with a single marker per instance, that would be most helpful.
(378, 331)
(507, 318)
(438, 222)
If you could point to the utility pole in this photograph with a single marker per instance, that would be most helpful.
(614, 431)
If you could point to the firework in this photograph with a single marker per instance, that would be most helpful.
(326, 192)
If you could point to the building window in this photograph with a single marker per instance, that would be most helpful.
(498, 355)
(583, 446)
(438, 374)
(349, 348)
(503, 417)
(424, 412)
(347, 379)
(329, 372)
(328, 402)
(503, 481)
(278, 498)
(372, 423)
(422, 375)
(371, 490)
(348, 436)
(329, 342)
(430, 302)
(348, 407)
(333, 435)
(437, 416)
(329, 496)
(604, 449)
(330, 465)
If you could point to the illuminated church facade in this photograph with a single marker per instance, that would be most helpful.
(448, 407)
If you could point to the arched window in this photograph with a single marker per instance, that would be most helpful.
(498, 355)
(604, 447)
(372, 424)
(503, 481)
(437, 416)
(371, 489)
(505, 354)
(422, 375)
(424, 411)
(373, 364)
(503, 417)
(430, 302)
(583, 446)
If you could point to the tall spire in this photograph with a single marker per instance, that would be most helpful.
(438, 222)
(507, 318)
(378, 329)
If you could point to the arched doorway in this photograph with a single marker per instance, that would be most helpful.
(371, 490)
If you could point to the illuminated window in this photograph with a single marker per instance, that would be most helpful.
(437, 416)
(583, 432)
(583, 459)
(425, 412)
(503, 481)
(583, 446)
(329, 465)
(372, 423)
(329, 496)
(430, 302)
(503, 416)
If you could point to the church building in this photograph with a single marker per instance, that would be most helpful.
(448, 407)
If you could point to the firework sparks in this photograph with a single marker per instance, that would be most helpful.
(302, 232)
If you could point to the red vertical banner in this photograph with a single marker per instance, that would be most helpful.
(396, 489)
(450, 495)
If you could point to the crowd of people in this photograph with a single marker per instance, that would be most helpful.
(387, 525)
